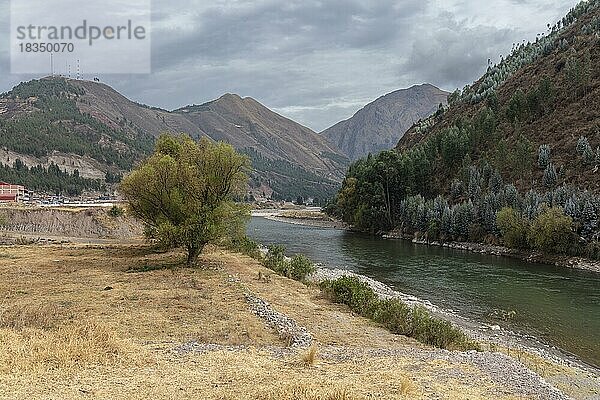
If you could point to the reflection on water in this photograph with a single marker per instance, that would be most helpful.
(558, 305)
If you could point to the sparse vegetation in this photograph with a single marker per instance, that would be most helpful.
(396, 316)
(116, 211)
(297, 268)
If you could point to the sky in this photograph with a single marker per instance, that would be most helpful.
(316, 61)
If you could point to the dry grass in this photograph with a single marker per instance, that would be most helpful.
(310, 356)
(28, 315)
(308, 393)
(75, 345)
(63, 336)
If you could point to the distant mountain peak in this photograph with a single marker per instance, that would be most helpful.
(380, 124)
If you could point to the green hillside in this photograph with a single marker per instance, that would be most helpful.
(523, 140)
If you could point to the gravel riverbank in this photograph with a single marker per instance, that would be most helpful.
(490, 335)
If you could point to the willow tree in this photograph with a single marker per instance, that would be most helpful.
(184, 193)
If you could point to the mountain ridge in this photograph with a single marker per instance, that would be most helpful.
(96, 130)
(381, 123)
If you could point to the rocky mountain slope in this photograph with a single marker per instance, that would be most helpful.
(89, 129)
(286, 156)
(380, 124)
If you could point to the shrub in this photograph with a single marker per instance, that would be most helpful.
(300, 267)
(246, 246)
(514, 228)
(394, 315)
(551, 231)
(275, 259)
(116, 211)
(397, 316)
(353, 292)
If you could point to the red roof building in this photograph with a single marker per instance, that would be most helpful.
(10, 192)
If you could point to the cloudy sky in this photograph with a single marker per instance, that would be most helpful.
(317, 61)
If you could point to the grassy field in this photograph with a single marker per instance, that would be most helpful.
(80, 322)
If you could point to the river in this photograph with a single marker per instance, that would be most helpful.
(559, 306)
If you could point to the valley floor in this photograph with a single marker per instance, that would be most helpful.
(124, 322)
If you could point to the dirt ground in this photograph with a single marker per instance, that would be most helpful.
(99, 322)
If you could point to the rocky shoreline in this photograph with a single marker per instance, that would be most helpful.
(490, 335)
(501, 251)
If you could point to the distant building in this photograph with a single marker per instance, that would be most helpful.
(10, 193)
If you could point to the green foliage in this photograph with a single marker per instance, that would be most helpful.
(289, 181)
(522, 158)
(544, 154)
(517, 107)
(551, 231)
(275, 259)
(43, 88)
(352, 292)
(245, 245)
(514, 228)
(395, 315)
(116, 211)
(301, 267)
(298, 267)
(56, 124)
(550, 176)
(183, 193)
(50, 180)
(579, 72)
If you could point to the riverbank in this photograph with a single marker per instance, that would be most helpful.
(309, 217)
(321, 220)
(492, 337)
(114, 321)
(501, 251)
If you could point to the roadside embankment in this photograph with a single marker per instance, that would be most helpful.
(61, 222)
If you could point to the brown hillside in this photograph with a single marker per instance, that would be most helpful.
(246, 123)
(574, 112)
(380, 124)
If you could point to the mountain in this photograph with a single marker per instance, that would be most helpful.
(546, 93)
(284, 153)
(89, 129)
(512, 160)
(380, 124)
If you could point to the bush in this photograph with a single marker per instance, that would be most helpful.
(397, 316)
(275, 258)
(300, 267)
(116, 211)
(246, 246)
(551, 231)
(513, 227)
(353, 292)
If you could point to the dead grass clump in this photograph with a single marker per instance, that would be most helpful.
(69, 346)
(310, 357)
(40, 316)
(302, 392)
(407, 385)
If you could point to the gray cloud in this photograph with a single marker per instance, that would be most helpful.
(319, 61)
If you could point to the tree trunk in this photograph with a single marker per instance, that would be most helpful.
(193, 253)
